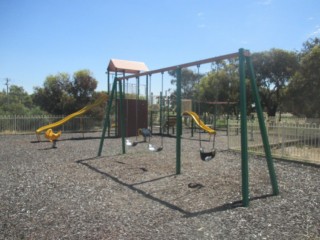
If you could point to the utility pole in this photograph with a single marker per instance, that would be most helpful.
(7, 84)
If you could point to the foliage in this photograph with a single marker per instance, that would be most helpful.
(98, 112)
(303, 96)
(189, 79)
(273, 70)
(54, 96)
(60, 95)
(220, 85)
(17, 102)
(82, 87)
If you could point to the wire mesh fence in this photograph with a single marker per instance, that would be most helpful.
(20, 124)
(293, 140)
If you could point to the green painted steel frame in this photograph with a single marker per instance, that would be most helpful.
(263, 130)
(244, 62)
(107, 117)
(179, 122)
(243, 122)
(122, 125)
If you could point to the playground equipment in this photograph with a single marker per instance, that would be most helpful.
(205, 156)
(69, 117)
(245, 62)
(53, 137)
(145, 133)
(198, 121)
(131, 113)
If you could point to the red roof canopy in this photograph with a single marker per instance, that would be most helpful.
(116, 65)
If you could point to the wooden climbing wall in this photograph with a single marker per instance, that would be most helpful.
(135, 114)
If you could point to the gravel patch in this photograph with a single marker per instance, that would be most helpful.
(69, 193)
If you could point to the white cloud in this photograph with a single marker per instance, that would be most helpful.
(264, 2)
(316, 32)
(201, 20)
(202, 25)
(244, 42)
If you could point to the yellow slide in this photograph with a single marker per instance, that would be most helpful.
(198, 121)
(75, 114)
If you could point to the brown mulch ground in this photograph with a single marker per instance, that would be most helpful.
(68, 193)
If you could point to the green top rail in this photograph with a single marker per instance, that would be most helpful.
(184, 65)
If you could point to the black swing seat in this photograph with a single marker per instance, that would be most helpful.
(207, 156)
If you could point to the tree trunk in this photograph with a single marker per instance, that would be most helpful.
(272, 111)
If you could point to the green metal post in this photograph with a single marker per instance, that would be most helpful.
(138, 88)
(264, 135)
(193, 109)
(168, 110)
(124, 84)
(147, 99)
(122, 126)
(192, 126)
(161, 116)
(179, 123)
(116, 108)
(147, 87)
(151, 123)
(107, 116)
(244, 138)
(215, 116)
(108, 72)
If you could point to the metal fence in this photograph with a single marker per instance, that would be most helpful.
(18, 124)
(293, 140)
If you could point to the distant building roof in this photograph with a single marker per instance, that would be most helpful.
(116, 65)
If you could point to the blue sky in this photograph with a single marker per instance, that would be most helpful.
(43, 37)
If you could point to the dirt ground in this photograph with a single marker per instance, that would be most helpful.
(69, 193)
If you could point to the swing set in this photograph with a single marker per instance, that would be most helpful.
(145, 132)
(245, 63)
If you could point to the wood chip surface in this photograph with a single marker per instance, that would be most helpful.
(69, 193)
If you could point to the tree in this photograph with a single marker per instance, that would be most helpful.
(221, 84)
(17, 102)
(60, 95)
(309, 45)
(189, 79)
(54, 97)
(273, 70)
(303, 96)
(99, 111)
(83, 87)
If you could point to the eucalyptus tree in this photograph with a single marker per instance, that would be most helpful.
(62, 95)
(273, 70)
(303, 95)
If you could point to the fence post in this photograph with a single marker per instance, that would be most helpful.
(15, 124)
